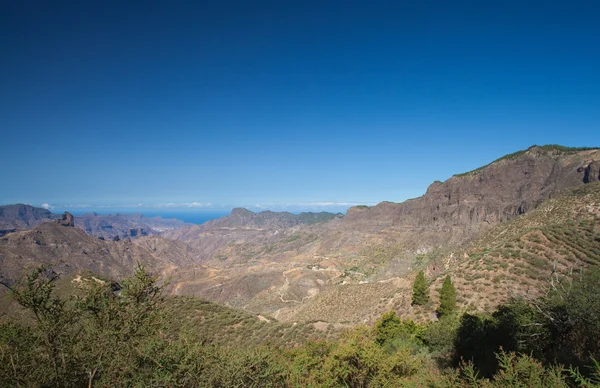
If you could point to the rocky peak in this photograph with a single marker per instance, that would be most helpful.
(67, 220)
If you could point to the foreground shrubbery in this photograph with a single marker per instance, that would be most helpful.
(106, 336)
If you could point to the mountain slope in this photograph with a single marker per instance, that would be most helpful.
(20, 216)
(288, 271)
(557, 240)
(67, 249)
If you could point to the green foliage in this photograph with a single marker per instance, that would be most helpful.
(390, 328)
(420, 290)
(525, 372)
(106, 336)
(53, 334)
(447, 298)
(440, 335)
(359, 361)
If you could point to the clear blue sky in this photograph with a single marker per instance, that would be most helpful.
(282, 104)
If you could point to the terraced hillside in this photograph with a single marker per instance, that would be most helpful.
(523, 257)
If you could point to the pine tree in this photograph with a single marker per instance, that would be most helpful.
(420, 290)
(447, 297)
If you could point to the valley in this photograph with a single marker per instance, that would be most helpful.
(499, 231)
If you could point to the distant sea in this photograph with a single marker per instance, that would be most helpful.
(190, 217)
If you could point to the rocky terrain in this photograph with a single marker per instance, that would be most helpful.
(478, 226)
(287, 271)
(107, 226)
(111, 226)
(67, 249)
(20, 216)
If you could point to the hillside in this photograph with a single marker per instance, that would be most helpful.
(369, 256)
(547, 246)
(67, 249)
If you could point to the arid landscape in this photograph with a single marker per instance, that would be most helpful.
(302, 194)
(499, 231)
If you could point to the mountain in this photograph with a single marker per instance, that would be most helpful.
(110, 226)
(67, 249)
(20, 216)
(479, 227)
(372, 252)
(242, 225)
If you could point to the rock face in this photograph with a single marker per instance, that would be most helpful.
(497, 192)
(67, 220)
(592, 172)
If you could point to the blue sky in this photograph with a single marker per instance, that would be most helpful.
(282, 104)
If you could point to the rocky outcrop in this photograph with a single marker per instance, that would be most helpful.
(67, 220)
(592, 172)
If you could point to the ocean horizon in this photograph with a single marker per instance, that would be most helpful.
(189, 217)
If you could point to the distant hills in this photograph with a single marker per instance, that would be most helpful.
(108, 226)
(499, 230)
(20, 216)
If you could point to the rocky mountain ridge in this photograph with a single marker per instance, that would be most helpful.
(276, 271)
(108, 226)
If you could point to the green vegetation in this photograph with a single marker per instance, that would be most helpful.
(420, 290)
(447, 298)
(104, 335)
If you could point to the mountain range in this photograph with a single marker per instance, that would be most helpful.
(107, 226)
(500, 230)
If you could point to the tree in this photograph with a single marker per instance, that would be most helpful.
(387, 327)
(447, 298)
(420, 290)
